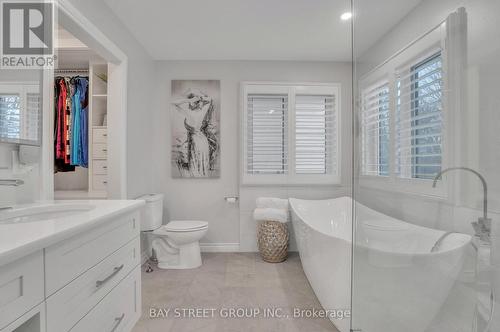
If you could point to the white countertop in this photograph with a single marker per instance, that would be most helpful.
(21, 239)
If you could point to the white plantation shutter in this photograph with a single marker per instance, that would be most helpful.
(375, 130)
(267, 134)
(290, 134)
(10, 117)
(30, 120)
(315, 134)
(419, 120)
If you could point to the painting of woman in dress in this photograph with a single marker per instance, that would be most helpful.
(195, 128)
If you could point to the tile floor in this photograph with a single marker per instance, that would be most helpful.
(231, 280)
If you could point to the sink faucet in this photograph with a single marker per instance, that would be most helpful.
(482, 226)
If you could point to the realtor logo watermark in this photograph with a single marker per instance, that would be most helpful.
(27, 34)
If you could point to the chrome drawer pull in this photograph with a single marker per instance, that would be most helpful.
(104, 167)
(99, 283)
(11, 182)
(118, 321)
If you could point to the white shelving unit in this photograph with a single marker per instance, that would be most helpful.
(98, 131)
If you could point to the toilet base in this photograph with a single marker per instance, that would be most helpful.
(188, 257)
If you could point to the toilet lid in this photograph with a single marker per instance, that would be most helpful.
(185, 225)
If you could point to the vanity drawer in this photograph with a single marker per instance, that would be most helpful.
(99, 182)
(21, 287)
(100, 167)
(118, 311)
(68, 259)
(100, 151)
(67, 306)
(99, 135)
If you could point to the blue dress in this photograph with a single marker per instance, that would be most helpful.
(79, 122)
(84, 131)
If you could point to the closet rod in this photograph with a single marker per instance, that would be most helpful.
(71, 71)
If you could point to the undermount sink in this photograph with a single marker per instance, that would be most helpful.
(42, 213)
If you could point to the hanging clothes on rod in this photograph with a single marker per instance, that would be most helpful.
(71, 123)
(79, 143)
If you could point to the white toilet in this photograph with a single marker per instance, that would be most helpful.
(175, 244)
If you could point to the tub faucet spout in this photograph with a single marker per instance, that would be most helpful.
(482, 226)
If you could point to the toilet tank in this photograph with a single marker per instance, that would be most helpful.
(152, 215)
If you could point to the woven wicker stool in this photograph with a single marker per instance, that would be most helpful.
(272, 239)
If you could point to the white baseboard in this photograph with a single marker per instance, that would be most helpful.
(220, 247)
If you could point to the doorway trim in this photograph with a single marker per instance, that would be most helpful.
(76, 23)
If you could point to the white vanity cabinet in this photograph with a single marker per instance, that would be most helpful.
(88, 282)
(69, 259)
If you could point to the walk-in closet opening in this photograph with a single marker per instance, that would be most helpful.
(80, 121)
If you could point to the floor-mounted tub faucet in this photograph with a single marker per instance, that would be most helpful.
(482, 226)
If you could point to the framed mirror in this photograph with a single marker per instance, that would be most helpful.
(20, 113)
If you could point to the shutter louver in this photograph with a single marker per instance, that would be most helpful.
(375, 131)
(315, 134)
(419, 120)
(267, 130)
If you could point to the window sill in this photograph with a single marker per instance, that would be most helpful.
(416, 187)
(260, 181)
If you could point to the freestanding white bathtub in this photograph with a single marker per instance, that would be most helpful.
(398, 283)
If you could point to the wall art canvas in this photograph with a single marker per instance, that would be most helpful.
(195, 125)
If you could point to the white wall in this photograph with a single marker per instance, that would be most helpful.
(204, 198)
(139, 94)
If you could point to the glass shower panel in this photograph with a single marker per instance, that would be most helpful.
(426, 232)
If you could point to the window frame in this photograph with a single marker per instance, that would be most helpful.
(401, 64)
(291, 89)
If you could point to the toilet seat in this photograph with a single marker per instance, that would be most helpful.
(185, 225)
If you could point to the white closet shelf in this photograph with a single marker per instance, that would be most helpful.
(100, 95)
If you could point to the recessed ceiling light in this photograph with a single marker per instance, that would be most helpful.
(346, 16)
(271, 111)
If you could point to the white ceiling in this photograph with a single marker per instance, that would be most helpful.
(253, 29)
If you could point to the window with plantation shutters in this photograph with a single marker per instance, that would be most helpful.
(419, 120)
(375, 130)
(416, 96)
(267, 134)
(290, 134)
(315, 134)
